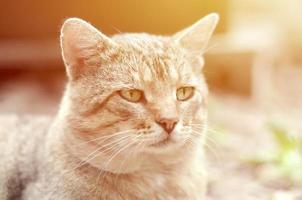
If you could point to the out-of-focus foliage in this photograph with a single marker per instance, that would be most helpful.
(285, 160)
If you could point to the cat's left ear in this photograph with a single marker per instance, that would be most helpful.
(196, 37)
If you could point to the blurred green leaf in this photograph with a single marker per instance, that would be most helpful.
(286, 159)
(282, 137)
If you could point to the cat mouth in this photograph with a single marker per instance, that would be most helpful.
(163, 142)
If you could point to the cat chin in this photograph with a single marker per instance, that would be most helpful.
(164, 146)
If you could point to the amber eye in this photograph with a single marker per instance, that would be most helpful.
(184, 93)
(132, 95)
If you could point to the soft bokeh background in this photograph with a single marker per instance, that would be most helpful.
(253, 66)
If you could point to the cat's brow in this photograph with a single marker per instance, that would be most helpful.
(98, 106)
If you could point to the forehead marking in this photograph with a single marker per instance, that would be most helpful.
(159, 68)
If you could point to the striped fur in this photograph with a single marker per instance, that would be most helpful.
(101, 146)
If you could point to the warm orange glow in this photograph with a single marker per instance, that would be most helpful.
(253, 66)
(32, 19)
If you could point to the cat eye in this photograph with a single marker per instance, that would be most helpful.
(132, 95)
(184, 93)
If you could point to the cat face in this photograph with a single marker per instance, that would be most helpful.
(134, 94)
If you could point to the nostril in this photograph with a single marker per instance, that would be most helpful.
(168, 124)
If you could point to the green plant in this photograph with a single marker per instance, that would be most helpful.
(285, 160)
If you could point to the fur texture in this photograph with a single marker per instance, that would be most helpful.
(102, 146)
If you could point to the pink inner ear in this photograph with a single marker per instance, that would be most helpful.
(74, 58)
(81, 45)
(85, 56)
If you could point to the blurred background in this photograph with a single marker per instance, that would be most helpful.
(253, 67)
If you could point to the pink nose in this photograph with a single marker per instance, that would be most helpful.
(168, 124)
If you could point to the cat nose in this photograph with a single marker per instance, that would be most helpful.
(168, 124)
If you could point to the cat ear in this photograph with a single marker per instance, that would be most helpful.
(196, 37)
(83, 46)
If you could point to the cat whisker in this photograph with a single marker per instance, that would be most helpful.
(114, 142)
(100, 176)
(210, 147)
(216, 154)
(208, 138)
(192, 142)
(97, 152)
(208, 128)
(135, 149)
(103, 137)
(114, 147)
(103, 172)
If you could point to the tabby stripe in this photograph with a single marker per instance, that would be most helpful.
(97, 107)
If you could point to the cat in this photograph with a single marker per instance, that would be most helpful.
(131, 123)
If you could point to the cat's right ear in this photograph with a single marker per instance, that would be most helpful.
(196, 37)
(83, 47)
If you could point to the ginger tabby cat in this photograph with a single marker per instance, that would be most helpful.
(131, 123)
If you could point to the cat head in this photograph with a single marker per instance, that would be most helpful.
(134, 94)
